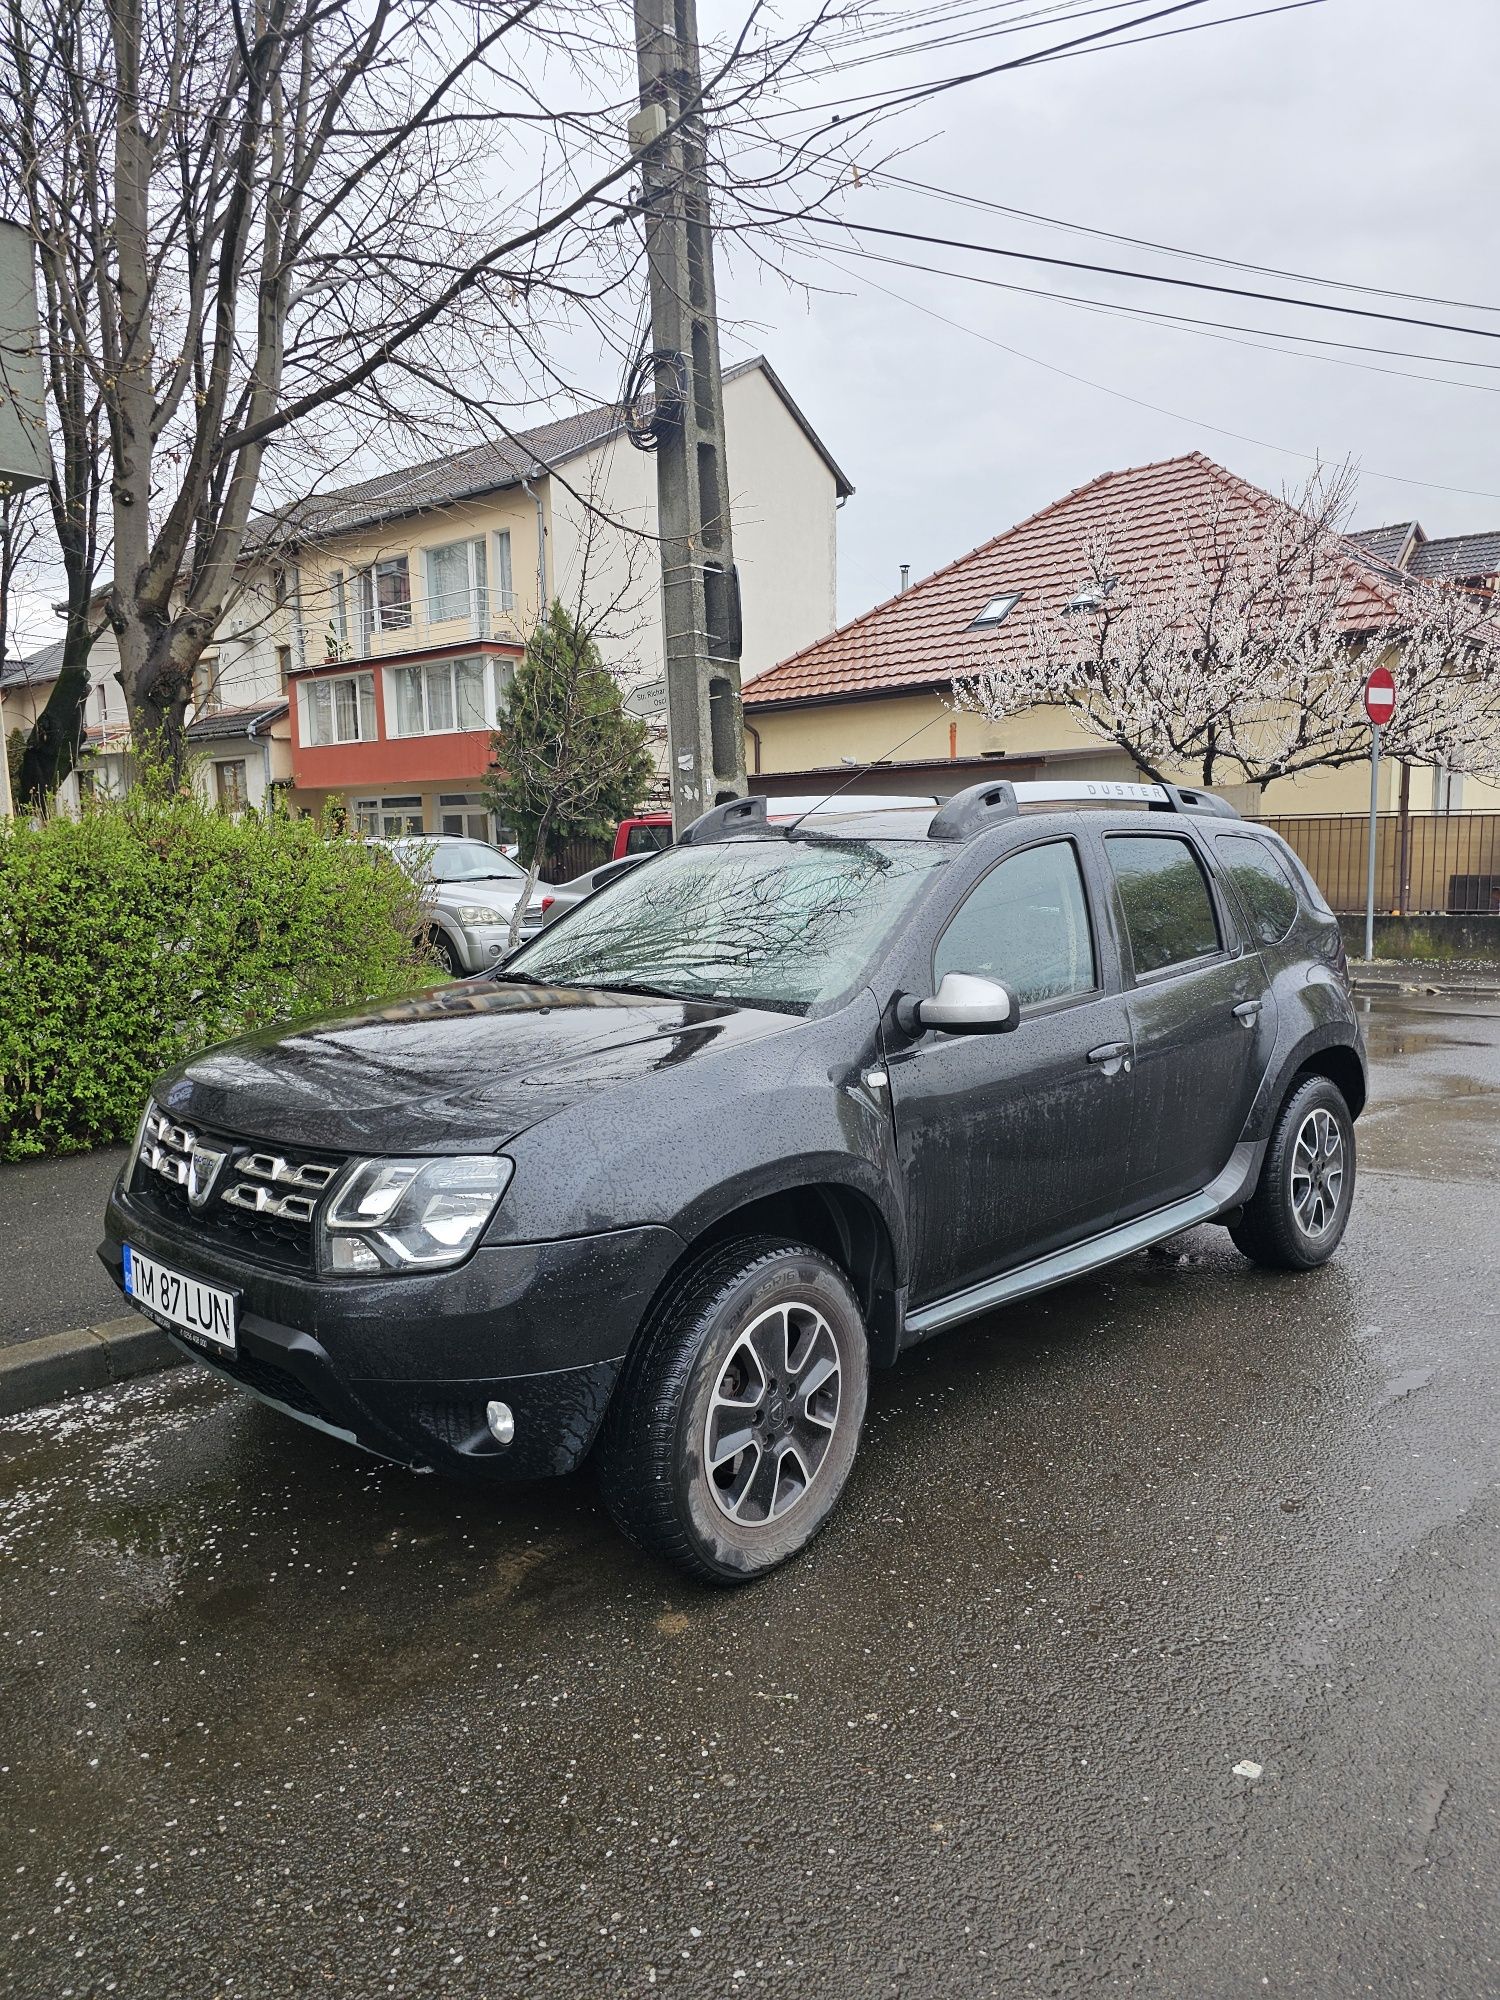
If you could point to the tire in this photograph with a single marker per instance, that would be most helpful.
(691, 1382)
(1295, 1219)
(444, 951)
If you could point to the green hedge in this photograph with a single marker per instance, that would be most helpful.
(152, 927)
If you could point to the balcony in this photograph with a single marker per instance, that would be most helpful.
(394, 632)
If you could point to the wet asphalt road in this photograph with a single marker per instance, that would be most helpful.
(278, 1720)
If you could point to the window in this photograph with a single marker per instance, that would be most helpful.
(1169, 914)
(458, 861)
(465, 814)
(206, 683)
(336, 639)
(456, 582)
(647, 839)
(446, 695)
(995, 612)
(504, 590)
(783, 923)
(1026, 922)
(229, 785)
(384, 597)
(1092, 596)
(1262, 884)
(283, 666)
(339, 709)
(389, 818)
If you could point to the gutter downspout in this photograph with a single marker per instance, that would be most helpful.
(541, 552)
(265, 762)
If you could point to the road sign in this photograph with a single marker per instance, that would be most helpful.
(1380, 706)
(1380, 696)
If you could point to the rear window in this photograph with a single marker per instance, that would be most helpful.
(1164, 895)
(1261, 882)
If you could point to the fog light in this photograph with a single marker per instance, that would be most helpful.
(502, 1424)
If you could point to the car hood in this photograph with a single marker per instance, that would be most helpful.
(458, 1068)
(485, 895)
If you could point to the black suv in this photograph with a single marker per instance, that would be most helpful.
(771, 1107)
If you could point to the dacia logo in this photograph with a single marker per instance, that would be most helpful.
(204, 1163)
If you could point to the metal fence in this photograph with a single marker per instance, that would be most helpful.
(567, 858)
(1426, 863)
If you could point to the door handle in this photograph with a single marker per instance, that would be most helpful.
(1248, 1012)
(1112, 1057)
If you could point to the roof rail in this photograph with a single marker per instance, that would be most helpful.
(1194, 801)
(980, 806)
(970, 811)
(747, 815)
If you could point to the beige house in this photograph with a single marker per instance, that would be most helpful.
(394, 611)
(375, 627)
(880, 688)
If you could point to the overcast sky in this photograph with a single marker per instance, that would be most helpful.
(1350, 139)
(1355, 139)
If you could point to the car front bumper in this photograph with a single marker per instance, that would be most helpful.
(406, 1367)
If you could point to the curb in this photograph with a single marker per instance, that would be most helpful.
(88, 1357)
(1449, 988)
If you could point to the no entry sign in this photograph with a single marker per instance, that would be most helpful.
(1380, 696)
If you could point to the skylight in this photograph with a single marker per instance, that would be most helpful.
(995, 612)
(1092, 595)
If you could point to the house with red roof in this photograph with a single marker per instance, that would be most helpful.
(879, 689)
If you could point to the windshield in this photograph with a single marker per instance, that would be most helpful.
(458, 861)
(780, 923)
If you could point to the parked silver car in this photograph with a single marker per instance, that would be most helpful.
(471, 891)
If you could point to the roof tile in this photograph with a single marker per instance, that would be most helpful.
(920, 639)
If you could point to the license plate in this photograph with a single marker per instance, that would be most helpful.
(205, 1313)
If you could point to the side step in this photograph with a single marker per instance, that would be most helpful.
(1078, 1259)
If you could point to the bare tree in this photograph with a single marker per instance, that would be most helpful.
(49, 171)
(1241, 649)
(306, 220)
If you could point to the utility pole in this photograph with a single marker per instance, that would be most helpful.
(699, 583)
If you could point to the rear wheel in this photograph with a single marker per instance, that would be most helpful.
(731, 1435)
(1300, 1208)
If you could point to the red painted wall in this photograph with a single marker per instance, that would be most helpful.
(390, 760)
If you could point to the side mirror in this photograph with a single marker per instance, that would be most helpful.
(964, 1004)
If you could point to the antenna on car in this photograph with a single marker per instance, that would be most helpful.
(860, 771)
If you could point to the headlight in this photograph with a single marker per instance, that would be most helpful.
(478, 917)
(400, 1215)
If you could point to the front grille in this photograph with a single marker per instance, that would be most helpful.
(257, 1199)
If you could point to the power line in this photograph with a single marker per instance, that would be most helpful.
(896, 99)
(962, 200)
(1222, 330)
(1144, 277)
(1158, 409)
(1159, 314)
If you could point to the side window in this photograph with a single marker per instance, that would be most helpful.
(1026, 922)
(1261, 883)
(647, 839)
(1168, 910)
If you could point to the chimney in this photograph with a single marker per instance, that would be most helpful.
(905, 575)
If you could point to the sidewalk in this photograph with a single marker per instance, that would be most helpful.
(1477, 977)
(51, 1220)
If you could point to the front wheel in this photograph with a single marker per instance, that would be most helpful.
(1298, 1213)
(731, 1435)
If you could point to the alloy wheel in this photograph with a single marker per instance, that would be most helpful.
(1317, 1171)
(772, 1414)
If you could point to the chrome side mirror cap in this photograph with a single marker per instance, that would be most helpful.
(964, 1004)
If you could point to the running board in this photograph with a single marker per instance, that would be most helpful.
(1078, 1259)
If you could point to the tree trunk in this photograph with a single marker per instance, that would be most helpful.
(52, 747)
